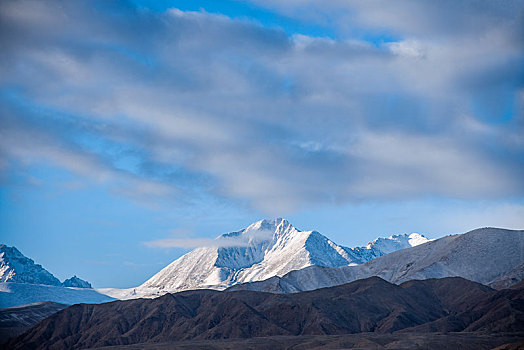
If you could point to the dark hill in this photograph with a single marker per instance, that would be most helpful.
(369, 305)
(16, 320)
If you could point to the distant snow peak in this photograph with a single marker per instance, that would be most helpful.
(396, 242)
(277, 225)
(489, 256)
(264, 249)
(15, 267)
(76, 282)
(417, 239)
(258, 232)
(22, 282)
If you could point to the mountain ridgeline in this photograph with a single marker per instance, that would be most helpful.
(15, 267)
(274, 256)
(489, 256)
(271, 280)
(22, 281)
(264, 249)
(369, 305)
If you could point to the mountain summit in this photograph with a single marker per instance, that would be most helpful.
(76, 282)
(22, 281)
(491, 256)
(264, 249)
(16, 267)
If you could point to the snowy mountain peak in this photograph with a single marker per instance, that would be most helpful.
(417, 239)
(252, 245)
(490, 256)
(396, 242)
(267, 224)
(76, 282)
(264, 249)
(262, 233)
(277, 227)
(15, 267)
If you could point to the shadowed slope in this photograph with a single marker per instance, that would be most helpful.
(370, 305)
(16, 320)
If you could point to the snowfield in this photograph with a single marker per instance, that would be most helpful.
(12, 294)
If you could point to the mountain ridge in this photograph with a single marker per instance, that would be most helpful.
(22, 281)
(368, 305)
(487, 255)
(15, 267)
(262, 250)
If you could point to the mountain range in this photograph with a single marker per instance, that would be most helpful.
(264, 249)
(274, 256)
(22, 281)
(489, 256)
(406, 284)
(17, 268)
(363, 306)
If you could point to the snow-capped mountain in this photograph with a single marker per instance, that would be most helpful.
(265, 249)
(489, 256)
(22, 282)
(15, 267)
(76, 282)
(382, 246)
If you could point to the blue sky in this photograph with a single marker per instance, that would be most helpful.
(125, 122)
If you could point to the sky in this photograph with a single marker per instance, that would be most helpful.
(129, 122)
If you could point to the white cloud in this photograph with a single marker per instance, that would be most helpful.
(223, 241)
(230, 108)
(408, 49)
(30, 146)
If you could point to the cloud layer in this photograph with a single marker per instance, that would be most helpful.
(234, 239)
(186, 105)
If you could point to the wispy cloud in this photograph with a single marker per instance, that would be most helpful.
(229, 240)
(27, 144)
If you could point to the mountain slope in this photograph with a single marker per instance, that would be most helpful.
(16, 320)
(361, 341)
(370, 305)
(76, 282)
(13, 294)
(265, 249)
(15, 267)
(23, 282)
(485, 255)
